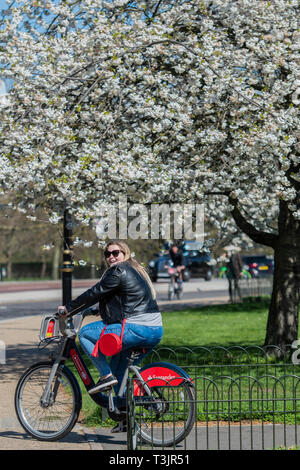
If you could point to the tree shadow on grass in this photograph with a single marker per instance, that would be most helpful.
(249, 306)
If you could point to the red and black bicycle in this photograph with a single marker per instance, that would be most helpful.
(48, 397)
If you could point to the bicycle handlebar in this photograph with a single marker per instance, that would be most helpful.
(84, 312)
(60, 312)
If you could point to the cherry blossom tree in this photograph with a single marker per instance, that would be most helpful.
(164, 102)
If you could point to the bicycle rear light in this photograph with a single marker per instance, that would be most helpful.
(50, 329)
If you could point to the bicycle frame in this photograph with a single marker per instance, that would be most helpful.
(100, 398)
(150, 391)
(175, 286)
(69, 350)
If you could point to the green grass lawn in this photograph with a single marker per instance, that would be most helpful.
(222, 325)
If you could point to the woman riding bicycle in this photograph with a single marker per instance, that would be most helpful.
(123, 292)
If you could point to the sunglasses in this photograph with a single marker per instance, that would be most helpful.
(115, 253)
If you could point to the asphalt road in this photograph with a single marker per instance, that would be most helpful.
(23, 299)
(18, 310)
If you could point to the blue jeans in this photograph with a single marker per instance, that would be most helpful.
(134, 336)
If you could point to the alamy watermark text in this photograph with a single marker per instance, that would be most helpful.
(165, 221)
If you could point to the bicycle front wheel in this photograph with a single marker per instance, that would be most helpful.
(52, 419)
(171, 290)
(167, 417)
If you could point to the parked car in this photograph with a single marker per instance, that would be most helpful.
(259, 265)
(191, 245)
(199, 261)
(199, 264)
(157, 269)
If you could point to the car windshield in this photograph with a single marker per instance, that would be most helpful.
(193, 245)
(197, 255)
(162, 261)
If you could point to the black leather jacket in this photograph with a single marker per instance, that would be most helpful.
(121, 292)
(177, 258)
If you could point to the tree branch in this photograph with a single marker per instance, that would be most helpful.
(258, 236)
(209, 65)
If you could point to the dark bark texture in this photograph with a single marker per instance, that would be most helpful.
(282, 324)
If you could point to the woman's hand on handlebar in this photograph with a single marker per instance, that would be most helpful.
(62, 311)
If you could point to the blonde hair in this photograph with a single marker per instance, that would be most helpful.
(137, 266)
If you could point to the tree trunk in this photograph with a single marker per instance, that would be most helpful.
(282, 326)
(43, 269)
(9, 269)
(93, 265)
(55, 262)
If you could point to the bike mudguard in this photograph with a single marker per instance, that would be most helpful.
(161, 374)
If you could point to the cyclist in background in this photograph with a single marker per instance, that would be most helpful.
(178, 261)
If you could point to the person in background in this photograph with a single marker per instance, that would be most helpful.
(234, 273)
(177, 260)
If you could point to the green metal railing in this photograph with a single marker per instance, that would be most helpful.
(255, 287)
(245, 398)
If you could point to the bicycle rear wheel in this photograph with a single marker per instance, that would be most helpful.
(49, 421)
(179, 291)
(167, 417)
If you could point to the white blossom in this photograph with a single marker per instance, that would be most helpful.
(203, 99)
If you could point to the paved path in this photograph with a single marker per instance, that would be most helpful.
(21, 337)
(196, 291)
